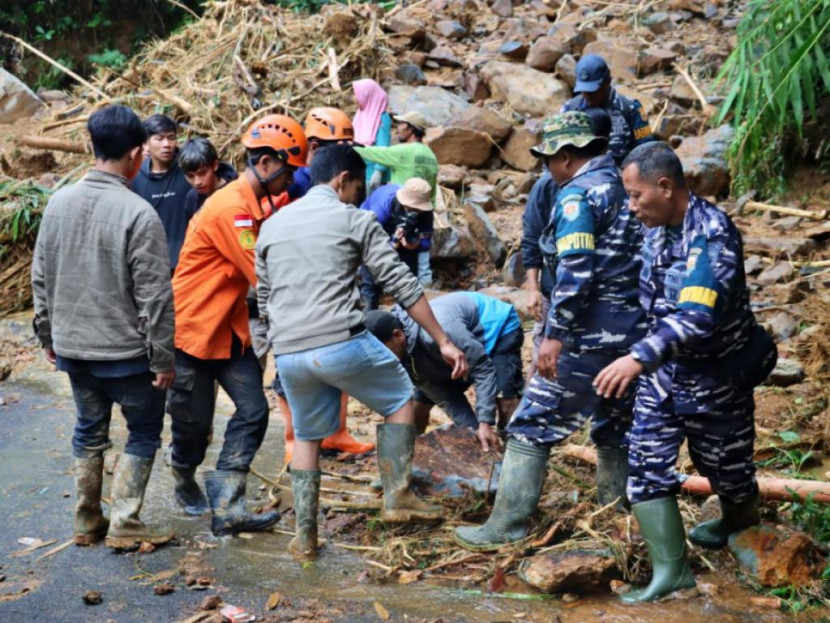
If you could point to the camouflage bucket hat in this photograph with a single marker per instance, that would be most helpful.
(567, 128)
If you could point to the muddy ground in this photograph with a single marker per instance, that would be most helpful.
(47, 584)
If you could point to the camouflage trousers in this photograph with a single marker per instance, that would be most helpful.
(552, 410)
(720, 434)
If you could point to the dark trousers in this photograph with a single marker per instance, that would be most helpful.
(191, 403)
(369, 290)
(140, 402)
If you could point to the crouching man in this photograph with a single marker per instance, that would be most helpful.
(104, 314)
(695, 369)
(490, 334)
(321, 343)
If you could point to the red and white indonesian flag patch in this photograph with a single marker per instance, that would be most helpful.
(243, 220)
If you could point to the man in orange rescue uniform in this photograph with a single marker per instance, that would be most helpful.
(323, 126)
(213, 341)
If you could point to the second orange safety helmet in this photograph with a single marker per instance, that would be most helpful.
(282, 134)
(329, 124)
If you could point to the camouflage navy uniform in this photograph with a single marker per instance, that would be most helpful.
(591, 246)
(703, 354)
(629, 127)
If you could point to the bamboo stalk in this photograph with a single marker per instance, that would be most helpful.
(57, 65)
(708, 109)
(42, 142)
(768, 207)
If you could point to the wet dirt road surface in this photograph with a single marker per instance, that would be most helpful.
(37, 500)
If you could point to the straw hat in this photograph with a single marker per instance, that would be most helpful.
(416, 194)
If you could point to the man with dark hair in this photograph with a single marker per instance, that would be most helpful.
(490, 334)
(410, 158)
(695, 369)
(162, 184)
(213, 341)
(591, 248)
(104, 315)
(629, 127)
(204, 171)
(322, 346)
(402, 211)
(539, 282)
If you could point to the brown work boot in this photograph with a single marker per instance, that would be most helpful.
(128, 486)
(90, 524)
(396, 445)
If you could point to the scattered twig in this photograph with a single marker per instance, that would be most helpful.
(55, 550)
(708, 110)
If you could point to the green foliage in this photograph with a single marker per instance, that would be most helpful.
(113, 59)
(22, 208)
(812, 517)
(773, 82)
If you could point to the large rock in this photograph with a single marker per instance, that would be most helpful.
(546, 52)
(437, 105)
(571, 572)
(449, 461)
(411, 74)
(790, 246)
(621, 61)
(407, 26)
(527, 90)
(452, 243)
(513, 272)
(780, 271)
(787, 372)
(566, 70)
(461, 146)
(516, 150)
(16, 99)
(450, 29)
(482, 120)
(482, 228)
(452, 176)
(682, 92)
(655, 59)
(777, 558)
(704, 161)
(782, 326)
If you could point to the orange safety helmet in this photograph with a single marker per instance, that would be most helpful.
(282, 134)
(329, 124)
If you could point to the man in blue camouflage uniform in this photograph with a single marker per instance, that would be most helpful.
(591, 248)
(696, 367)
(629, 128)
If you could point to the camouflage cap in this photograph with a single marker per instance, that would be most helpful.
(567, 128)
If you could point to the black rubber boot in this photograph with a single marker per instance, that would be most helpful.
(226, 494)
(520, 485)
(396, 446)
(714, 534)
(662, 529)
(188, 493)
(128, 487)
(612, 476)
(305, 486)
(90, 524)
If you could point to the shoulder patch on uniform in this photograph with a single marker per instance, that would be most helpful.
(571, 206)
(691, 262)
(243, 220)
(247, 239)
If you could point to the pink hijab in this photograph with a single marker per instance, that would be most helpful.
(371, 104)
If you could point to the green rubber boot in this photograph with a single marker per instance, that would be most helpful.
(612, 476)
(520, 486)
(305, 485)
(90, 524)
(662, 529)
(714, 534)
(128, 486)
(396, 446)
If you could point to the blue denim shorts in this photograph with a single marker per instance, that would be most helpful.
(361, 367)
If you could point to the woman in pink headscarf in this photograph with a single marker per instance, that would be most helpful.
(372, 126)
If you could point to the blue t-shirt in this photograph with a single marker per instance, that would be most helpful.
(301, 184)
(497, 317)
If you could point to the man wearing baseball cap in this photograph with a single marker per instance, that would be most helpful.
(409, 158)
(405, 213)
(629, 127)
(591, 247)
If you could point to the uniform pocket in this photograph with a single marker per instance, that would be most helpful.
(180, 396)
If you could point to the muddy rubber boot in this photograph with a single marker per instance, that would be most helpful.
(714, 534)
(342, 441)
(305, 486)
(188, 493)
(289, 429)
(90, 524)
(128, 487)
(612, 476)
(396, 445)
(226, 494)
(662, 529)
(520, 486)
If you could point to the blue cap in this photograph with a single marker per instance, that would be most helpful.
(591, 72)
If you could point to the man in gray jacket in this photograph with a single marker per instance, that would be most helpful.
(104, 315)
(307, 258)
(490, 334)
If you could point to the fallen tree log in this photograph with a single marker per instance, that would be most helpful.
(771, 488)
(54, 144)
